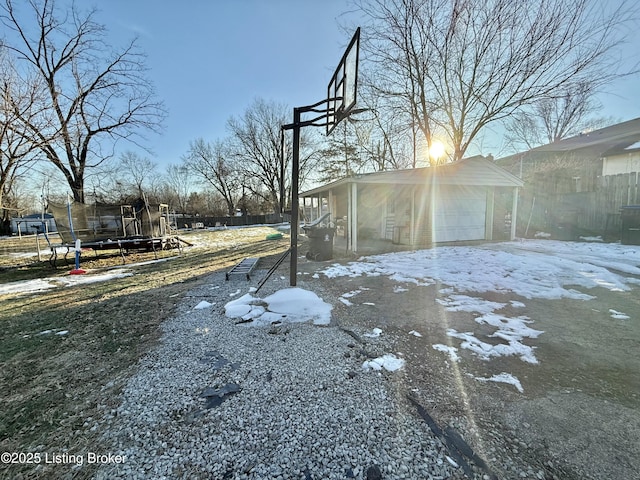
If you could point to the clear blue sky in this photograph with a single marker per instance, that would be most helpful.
(210, 58)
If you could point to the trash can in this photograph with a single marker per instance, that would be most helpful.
(320, 239)
(630, 217)
(320, 243)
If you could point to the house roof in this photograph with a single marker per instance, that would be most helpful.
(603, 139)
(613, 140)
(470, 171)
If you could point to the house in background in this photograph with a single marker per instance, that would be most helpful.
(472, 199)
(622, 158)
(574, 164)
(34, 223)
(577, 186)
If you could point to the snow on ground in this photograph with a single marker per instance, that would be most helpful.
(44, 252)
(465, 303)
(58, 332)
(389, 362)
(503, 378)
(257, 230)
(451, 351)
(618, 315)
(287, 305)
(202, 305)
(530, 268)
(375, 333)
(43, 284)
(344, 298)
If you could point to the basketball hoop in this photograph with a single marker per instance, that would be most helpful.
(343, 86)
(339, 104)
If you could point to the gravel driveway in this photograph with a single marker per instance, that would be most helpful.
(299, 404)
(579, 414)
(224, 401)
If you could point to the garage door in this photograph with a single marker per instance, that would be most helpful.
(459, 214)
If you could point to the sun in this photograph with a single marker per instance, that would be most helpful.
(436, 150)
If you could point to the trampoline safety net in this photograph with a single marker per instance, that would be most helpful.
(102, 222)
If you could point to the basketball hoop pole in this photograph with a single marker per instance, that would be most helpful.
(295, 171)
(283, 156)
(339, 104)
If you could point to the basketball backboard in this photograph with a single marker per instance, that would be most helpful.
(343, 86)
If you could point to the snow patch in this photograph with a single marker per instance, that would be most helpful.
(487, 351)
(44, 284)
(202, 305)
(618, 315)
(503, 378)
(389, 362)
(465, 303)
(375, 333)
(451, 351)
(288, 305)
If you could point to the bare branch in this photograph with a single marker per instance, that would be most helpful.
(461, 65)
(95, 96)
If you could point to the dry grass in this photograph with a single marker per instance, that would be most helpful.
(52, 384)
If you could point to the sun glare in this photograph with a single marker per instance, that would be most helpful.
(436, 150)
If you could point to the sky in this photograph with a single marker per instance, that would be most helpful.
(532, 269)
(210, 59)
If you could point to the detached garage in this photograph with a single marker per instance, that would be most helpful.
(472, 199)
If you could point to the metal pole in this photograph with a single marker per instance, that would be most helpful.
(283, 157)
(295, 167)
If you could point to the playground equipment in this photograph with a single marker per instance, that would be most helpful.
(97, 226)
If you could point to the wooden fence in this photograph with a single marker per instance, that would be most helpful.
(568, 216)
(185, 221)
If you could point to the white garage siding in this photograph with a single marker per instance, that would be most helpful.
(423, 206)
(459, 214)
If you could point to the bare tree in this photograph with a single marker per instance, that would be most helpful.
(95, 95)
(257, 147)
(341, 157)
(137, 171)
(551, 119)
(211, 163)
(460, 65)
(178, 183)
(256, 142)
(20, 98)
(385, 136)
(387, 133)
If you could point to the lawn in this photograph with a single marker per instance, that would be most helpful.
(65, 349)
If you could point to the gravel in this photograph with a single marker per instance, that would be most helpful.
(219, 400)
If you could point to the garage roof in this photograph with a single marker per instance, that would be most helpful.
(469, 171)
